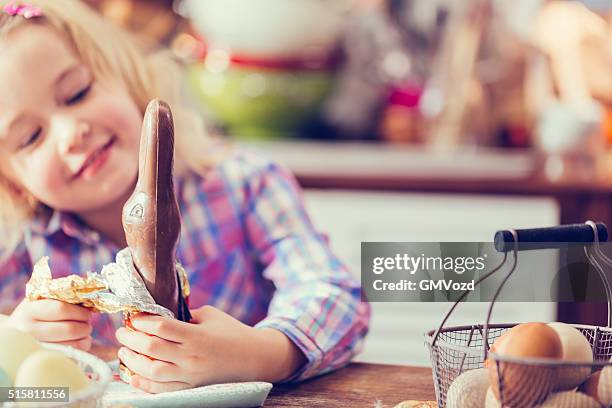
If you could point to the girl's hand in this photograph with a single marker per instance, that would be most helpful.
(54, 321)
(216, 349)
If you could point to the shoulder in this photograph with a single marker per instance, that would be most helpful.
(247, 166)
(240, 168)
(239, 179)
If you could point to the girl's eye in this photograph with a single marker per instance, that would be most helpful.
(78, 96)
(32, 139)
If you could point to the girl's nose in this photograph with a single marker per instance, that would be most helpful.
(74, 137)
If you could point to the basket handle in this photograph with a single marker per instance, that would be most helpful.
(549, 238)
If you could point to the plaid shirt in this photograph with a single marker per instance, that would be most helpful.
(249, 249)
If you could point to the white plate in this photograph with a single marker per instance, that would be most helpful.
(234, 395)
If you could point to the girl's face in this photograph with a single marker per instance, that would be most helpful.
(65, 137)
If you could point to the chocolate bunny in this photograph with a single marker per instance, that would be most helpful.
(151, 218)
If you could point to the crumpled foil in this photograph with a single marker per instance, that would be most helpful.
(125, 374)
(117, 288)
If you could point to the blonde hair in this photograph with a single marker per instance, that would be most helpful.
(112, 55)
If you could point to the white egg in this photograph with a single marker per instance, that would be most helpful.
(599, 386)
(576, 348)
(468, 390)
(15, 346)
(47, 368)
(490, 399)
(569, 399)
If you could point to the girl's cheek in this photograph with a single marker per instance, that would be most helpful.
(121, 115)
(42, 175)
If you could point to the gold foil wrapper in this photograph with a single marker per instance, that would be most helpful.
(125, 374)
(71, 289)
(417, 404)
(117, 288)
(183, 280)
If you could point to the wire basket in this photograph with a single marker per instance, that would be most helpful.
(520, 382)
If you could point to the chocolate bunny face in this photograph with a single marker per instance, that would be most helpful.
(151, 218)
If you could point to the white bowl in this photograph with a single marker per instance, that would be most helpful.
(270, 28)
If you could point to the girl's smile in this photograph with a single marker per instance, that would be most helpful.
(95, 160)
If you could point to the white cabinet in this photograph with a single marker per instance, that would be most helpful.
(396, 331)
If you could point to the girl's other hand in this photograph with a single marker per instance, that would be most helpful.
(168, 355)
(54, 321)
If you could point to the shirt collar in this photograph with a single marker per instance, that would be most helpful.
(50, 222)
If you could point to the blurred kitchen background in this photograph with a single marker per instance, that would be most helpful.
(409, 120)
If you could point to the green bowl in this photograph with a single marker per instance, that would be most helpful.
(259, 102)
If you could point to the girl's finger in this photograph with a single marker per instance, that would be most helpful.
(155, 387)
(82, 344)
(49, 310)
(148, 345)
(163, 327)
(60, 331)
(154, 370)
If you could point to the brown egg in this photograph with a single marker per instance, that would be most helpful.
(499, 346)
(524, 385)
(599, 386)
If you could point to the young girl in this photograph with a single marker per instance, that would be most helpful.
(270, 300)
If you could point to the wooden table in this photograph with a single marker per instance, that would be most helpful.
(357, 385)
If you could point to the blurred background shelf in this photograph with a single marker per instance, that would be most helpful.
(372, 166)
(355, 160)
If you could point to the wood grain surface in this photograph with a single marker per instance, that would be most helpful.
(357, 385)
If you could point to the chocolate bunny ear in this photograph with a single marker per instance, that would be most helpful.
(156, 159)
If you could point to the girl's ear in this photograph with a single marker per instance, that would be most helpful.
(30, 200)
(20, 192)
(10, 185)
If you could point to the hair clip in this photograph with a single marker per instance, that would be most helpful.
(22, 9)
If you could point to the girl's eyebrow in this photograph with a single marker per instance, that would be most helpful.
(6, 124)
(67, 72)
